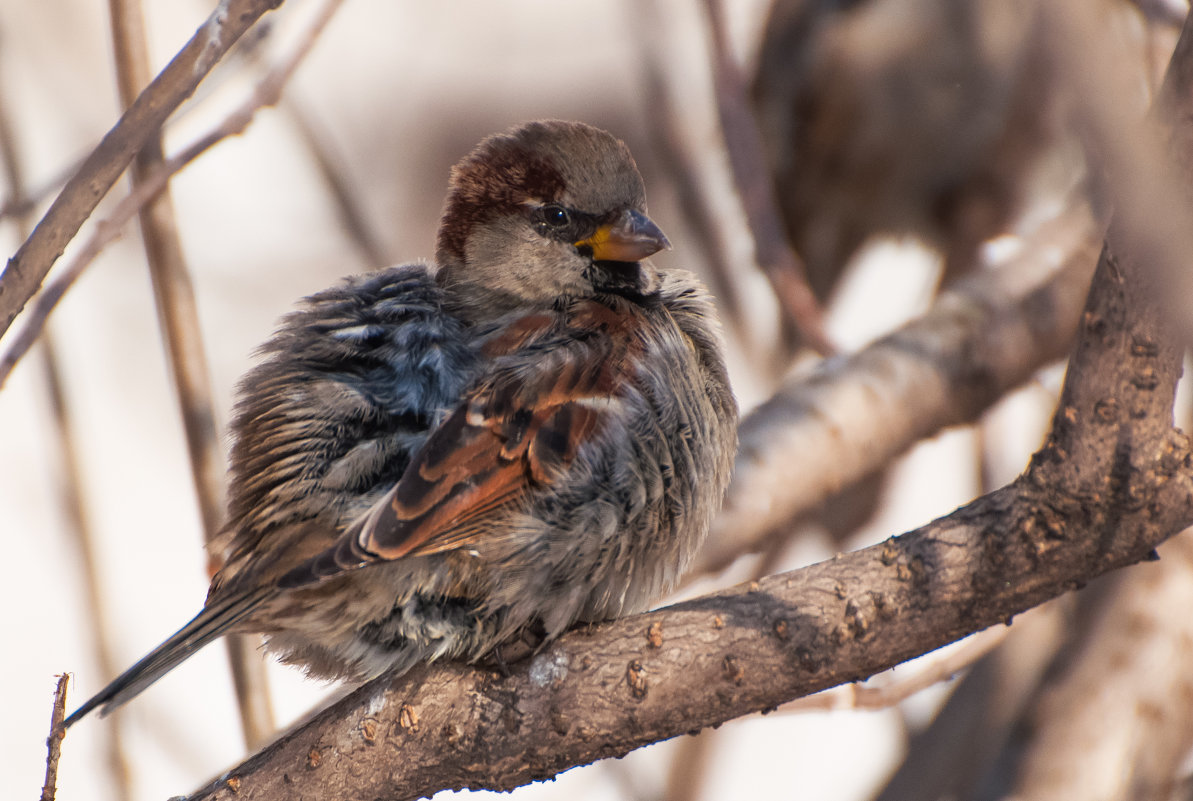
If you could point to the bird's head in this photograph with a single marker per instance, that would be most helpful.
(547, 211)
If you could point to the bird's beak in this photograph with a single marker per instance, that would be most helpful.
(631, 237)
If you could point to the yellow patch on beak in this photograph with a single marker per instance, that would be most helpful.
(631, 237)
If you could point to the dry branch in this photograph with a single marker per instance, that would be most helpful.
(823, 431)
(54, 742)
(143, 120)
(266, 92)
(743, 145)
(679, 157)
(178, 312)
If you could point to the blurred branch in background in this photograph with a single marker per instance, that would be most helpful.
(26, 270)
(670, 130)
(71, 478)
(149, 198)
(266, 92)
(187, 359)
(1117, 721)
(853, 414)
(743, 145)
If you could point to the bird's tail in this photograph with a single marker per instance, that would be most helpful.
(215, 619)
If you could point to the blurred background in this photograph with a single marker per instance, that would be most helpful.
(886, 150)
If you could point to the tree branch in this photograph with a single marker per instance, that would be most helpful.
(604, 691)
(79, 197)
(266, 92)
(849, 416)
(755, 187)
(54, 742)
(1113, 481)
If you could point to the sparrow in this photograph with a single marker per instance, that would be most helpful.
(432, 461)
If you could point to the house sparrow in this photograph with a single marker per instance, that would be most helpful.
(432, 462)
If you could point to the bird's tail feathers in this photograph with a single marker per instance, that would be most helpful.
(215, 619)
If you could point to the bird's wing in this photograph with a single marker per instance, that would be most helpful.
(551, 382)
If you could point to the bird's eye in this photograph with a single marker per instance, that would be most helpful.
(555, 216)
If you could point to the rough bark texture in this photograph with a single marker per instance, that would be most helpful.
(605, 691)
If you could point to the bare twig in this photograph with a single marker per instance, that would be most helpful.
(265, 93)
(77, 523)
(29, 266)
(54, 742)
(179, 315)
(743, 144)
(79, 527)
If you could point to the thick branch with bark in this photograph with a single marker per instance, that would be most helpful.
(603, 692)
(1112, 482)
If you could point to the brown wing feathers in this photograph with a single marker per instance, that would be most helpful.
(518, 427)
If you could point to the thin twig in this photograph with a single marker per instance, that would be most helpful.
(79, 528)
(69, 489)
(743, 144)
(54, 742)
(179, 315)
(265, 93)
(28, 267)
